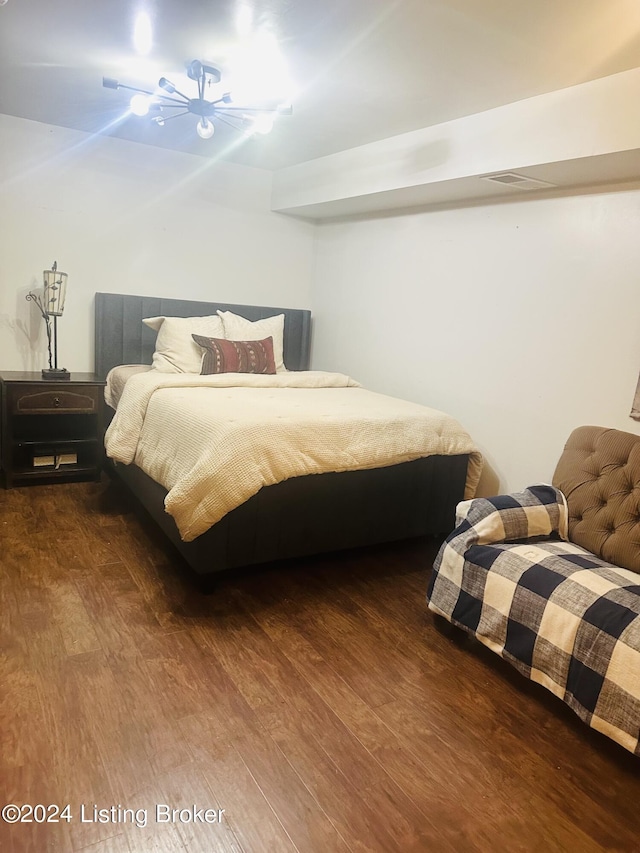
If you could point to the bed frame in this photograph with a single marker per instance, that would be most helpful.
(301, 516)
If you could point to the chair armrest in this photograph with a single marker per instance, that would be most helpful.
(539, 510)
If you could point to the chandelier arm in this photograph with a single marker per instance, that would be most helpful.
(246, 109)
(134, 89)
(175, 115)
(171, 102)
(182, 95)
(226, 121)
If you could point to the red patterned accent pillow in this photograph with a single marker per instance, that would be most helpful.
(222, 356)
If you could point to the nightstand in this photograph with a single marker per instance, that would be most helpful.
(51, 430)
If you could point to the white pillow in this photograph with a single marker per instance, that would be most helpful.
(237, 328)
(176, 351)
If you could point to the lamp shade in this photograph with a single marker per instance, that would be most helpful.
(55, 291)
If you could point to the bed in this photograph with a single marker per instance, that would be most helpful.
(303, 515)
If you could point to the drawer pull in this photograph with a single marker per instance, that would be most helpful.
(56, 402)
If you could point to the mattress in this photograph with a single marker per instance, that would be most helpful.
(215, 441)
(117, 379)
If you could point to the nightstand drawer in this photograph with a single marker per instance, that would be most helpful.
(51, 431)
(24, 401)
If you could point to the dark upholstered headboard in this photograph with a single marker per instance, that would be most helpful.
(122, 338)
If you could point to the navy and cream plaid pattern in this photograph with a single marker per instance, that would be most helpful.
(563, 617)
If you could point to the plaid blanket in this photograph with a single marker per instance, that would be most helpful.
(563, 617)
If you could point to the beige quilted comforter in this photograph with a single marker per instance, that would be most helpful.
(214, 441)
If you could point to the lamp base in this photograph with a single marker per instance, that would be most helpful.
(55, 373)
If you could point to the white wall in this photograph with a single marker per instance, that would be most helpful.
(522, 320)
(128, 218)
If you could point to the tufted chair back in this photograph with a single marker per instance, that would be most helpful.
(599, 473)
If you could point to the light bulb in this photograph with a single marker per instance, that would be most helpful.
(143, 33)
(205, 128)
(159, 120)
(263, 124)
(140, 105)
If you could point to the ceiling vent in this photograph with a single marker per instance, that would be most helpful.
(518, 182)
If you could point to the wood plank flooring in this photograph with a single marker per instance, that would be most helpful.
(317, 703)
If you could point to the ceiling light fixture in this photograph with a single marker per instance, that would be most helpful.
(248, 119)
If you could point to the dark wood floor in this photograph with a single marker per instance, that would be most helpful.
(318, 704)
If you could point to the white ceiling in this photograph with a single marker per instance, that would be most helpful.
(364, 69)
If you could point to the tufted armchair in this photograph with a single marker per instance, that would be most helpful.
(549, 578)
(599, 474)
